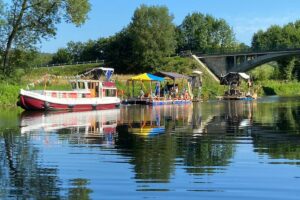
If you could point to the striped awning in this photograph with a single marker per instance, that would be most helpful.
(146, 77)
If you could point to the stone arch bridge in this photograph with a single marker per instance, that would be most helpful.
(225, 62)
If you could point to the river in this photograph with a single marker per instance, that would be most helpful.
(210, 150)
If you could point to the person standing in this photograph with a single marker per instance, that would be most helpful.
(157, 89)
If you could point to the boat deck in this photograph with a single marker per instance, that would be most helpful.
(233, 97)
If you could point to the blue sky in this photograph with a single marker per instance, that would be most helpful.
(107, 17)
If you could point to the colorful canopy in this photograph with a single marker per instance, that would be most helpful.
(147, 131)
(146, 77)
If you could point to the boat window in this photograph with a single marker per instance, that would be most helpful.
(91, 85)
(110, 92)
(73, 85)
(81, 85)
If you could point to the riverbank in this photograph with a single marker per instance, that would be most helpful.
(280, 88)
(9, 92)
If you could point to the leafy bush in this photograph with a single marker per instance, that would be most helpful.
(280, 88)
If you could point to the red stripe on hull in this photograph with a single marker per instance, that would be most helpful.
(29, 103)
(56, 106)
(107, 106)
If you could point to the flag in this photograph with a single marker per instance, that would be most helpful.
(108, 74)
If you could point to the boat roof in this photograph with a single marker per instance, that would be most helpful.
(85, 80)
(241, 74)
(233, 77)
(146, 77)
(171, 75)
(197, 72)
(106, 68)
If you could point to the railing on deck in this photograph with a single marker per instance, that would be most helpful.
(73, 63)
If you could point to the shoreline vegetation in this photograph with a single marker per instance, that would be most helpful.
(9, 91)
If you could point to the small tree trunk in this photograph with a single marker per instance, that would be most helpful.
(5, 65)
(6, 68)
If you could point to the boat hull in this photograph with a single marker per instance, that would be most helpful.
(32, 103)
(237, 98)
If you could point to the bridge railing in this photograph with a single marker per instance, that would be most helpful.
(237, 51)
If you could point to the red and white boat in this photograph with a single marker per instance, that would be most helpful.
(85, 95)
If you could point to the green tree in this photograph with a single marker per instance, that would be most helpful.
(153, 35)
(120, 46)
(271, 39)
(286, 68)
(276, 38)
(26, 22)
(203, 33)
(75, 49)
(62, 56)
(93, 50)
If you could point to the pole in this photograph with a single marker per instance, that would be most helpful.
(128, 91)
(150, 88)
(132, 88)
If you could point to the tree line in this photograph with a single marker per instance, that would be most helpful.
(281, 37)
(151, 36)
(141, 46)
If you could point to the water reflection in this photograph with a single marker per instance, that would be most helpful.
(162, 148)
(232, 118)
(98, 127)
(79, 189)
(276, 131)
(151, 121)
(23, 176)
(155, 158)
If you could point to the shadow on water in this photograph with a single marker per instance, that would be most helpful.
(199, 139)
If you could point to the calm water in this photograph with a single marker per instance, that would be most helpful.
(229, 150)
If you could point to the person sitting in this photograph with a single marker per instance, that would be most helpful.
(176, 91)
(172, 92)
(142, 94)
(186, 95)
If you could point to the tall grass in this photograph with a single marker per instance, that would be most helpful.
(8, 95)
(280, 88)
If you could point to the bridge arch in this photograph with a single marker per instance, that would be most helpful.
(220, 64)
(251, 64)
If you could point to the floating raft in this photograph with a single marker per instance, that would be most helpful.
(156, 101)
(246, 98)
